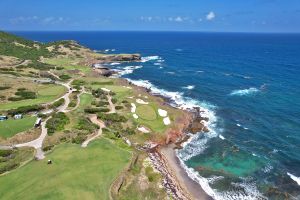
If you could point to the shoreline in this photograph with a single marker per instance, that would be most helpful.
(176, 180)
(174, 167)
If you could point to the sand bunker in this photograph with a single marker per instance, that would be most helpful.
(135, 116)
(133, 107)
(167, 121)
(143, 129)
(162, 113)
(140, 101)
(105, 89)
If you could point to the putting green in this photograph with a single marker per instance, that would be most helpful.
(76, 173)
(11, 127)
(146, 112)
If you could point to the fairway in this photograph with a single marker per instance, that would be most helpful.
(11, 127)
(45, 94)
(76, 173)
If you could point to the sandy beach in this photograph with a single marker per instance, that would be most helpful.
(187, 184)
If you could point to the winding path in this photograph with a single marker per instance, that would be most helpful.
(101, 125)
(111, 105)
(38, 143)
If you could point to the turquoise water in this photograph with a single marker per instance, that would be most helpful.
(249, 86)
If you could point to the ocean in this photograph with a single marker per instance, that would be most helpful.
(247, 84)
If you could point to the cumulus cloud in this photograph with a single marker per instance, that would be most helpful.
(210, 16)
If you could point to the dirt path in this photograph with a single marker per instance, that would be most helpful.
(100, 123)
(111, 105)
(38, 143)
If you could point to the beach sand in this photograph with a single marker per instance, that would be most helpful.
(189, 185)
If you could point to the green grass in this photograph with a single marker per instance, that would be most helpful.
(11, 127)
(45, 94)
(146, 112)
(76, 173)
(85, 100)
(68, 64)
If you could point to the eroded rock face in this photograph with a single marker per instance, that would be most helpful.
(120, 57)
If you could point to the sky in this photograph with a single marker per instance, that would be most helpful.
(151, 15)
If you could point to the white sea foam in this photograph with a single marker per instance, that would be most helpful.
(126, 70)
(249, 190)
(294, 178)
(115, 63)
(222, 137)
(244, 92)
(148, 58)
(189, 87)
(198, 143)
(157, 63)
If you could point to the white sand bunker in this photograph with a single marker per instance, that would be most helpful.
(143, 129)
(105, 89)
(127, 87)
(130, 97)
(133, 107)
(140, 101)
(135, 116)
(167, 121)
(146, 97)
(162, 113)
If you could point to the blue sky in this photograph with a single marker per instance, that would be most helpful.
(167, 15)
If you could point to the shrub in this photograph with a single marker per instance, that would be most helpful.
(112, 117)
(85, 124)
(119, 107)
(5, 153)
(57, 122)
(8, 167)
(95, 110)
(58, 103)
(4, 87)
(64, 77)
(25, 109)
(125, 101)
(48, 148)
(72, 104)
(113, 100)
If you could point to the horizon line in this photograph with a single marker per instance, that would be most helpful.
(187, 31)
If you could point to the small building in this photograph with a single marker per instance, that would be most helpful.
(18, 116)
(38, 122)
(3, 117)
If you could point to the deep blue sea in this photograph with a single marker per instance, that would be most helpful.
(249, 85)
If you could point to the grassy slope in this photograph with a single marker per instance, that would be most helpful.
(46, 94)
(11, 127)
(76, 173)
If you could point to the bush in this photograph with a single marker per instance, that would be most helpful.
(119, 107)
(4, 87)
(48, 148)
(8, 167)
(95, 110)
(85, 124)
(113, 100)
(57, 122)
(5, 153)
(112, 117)
(58, 103)
(72, 104)
(22, 94)
(25, 109)
(79, 139)
(64, 77)
(125, 101)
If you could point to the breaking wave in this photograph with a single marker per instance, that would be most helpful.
(294, 178)
(244, 92)
(148, 58)
(126, 70)
(198, 143)
(189, 87)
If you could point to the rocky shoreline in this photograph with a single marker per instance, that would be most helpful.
(162, 154)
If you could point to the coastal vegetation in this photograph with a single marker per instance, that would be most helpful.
(90, 125)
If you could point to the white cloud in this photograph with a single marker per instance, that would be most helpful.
(178, 19)
(210, 16)
(38, 20)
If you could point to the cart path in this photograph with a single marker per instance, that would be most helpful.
(93, 136)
